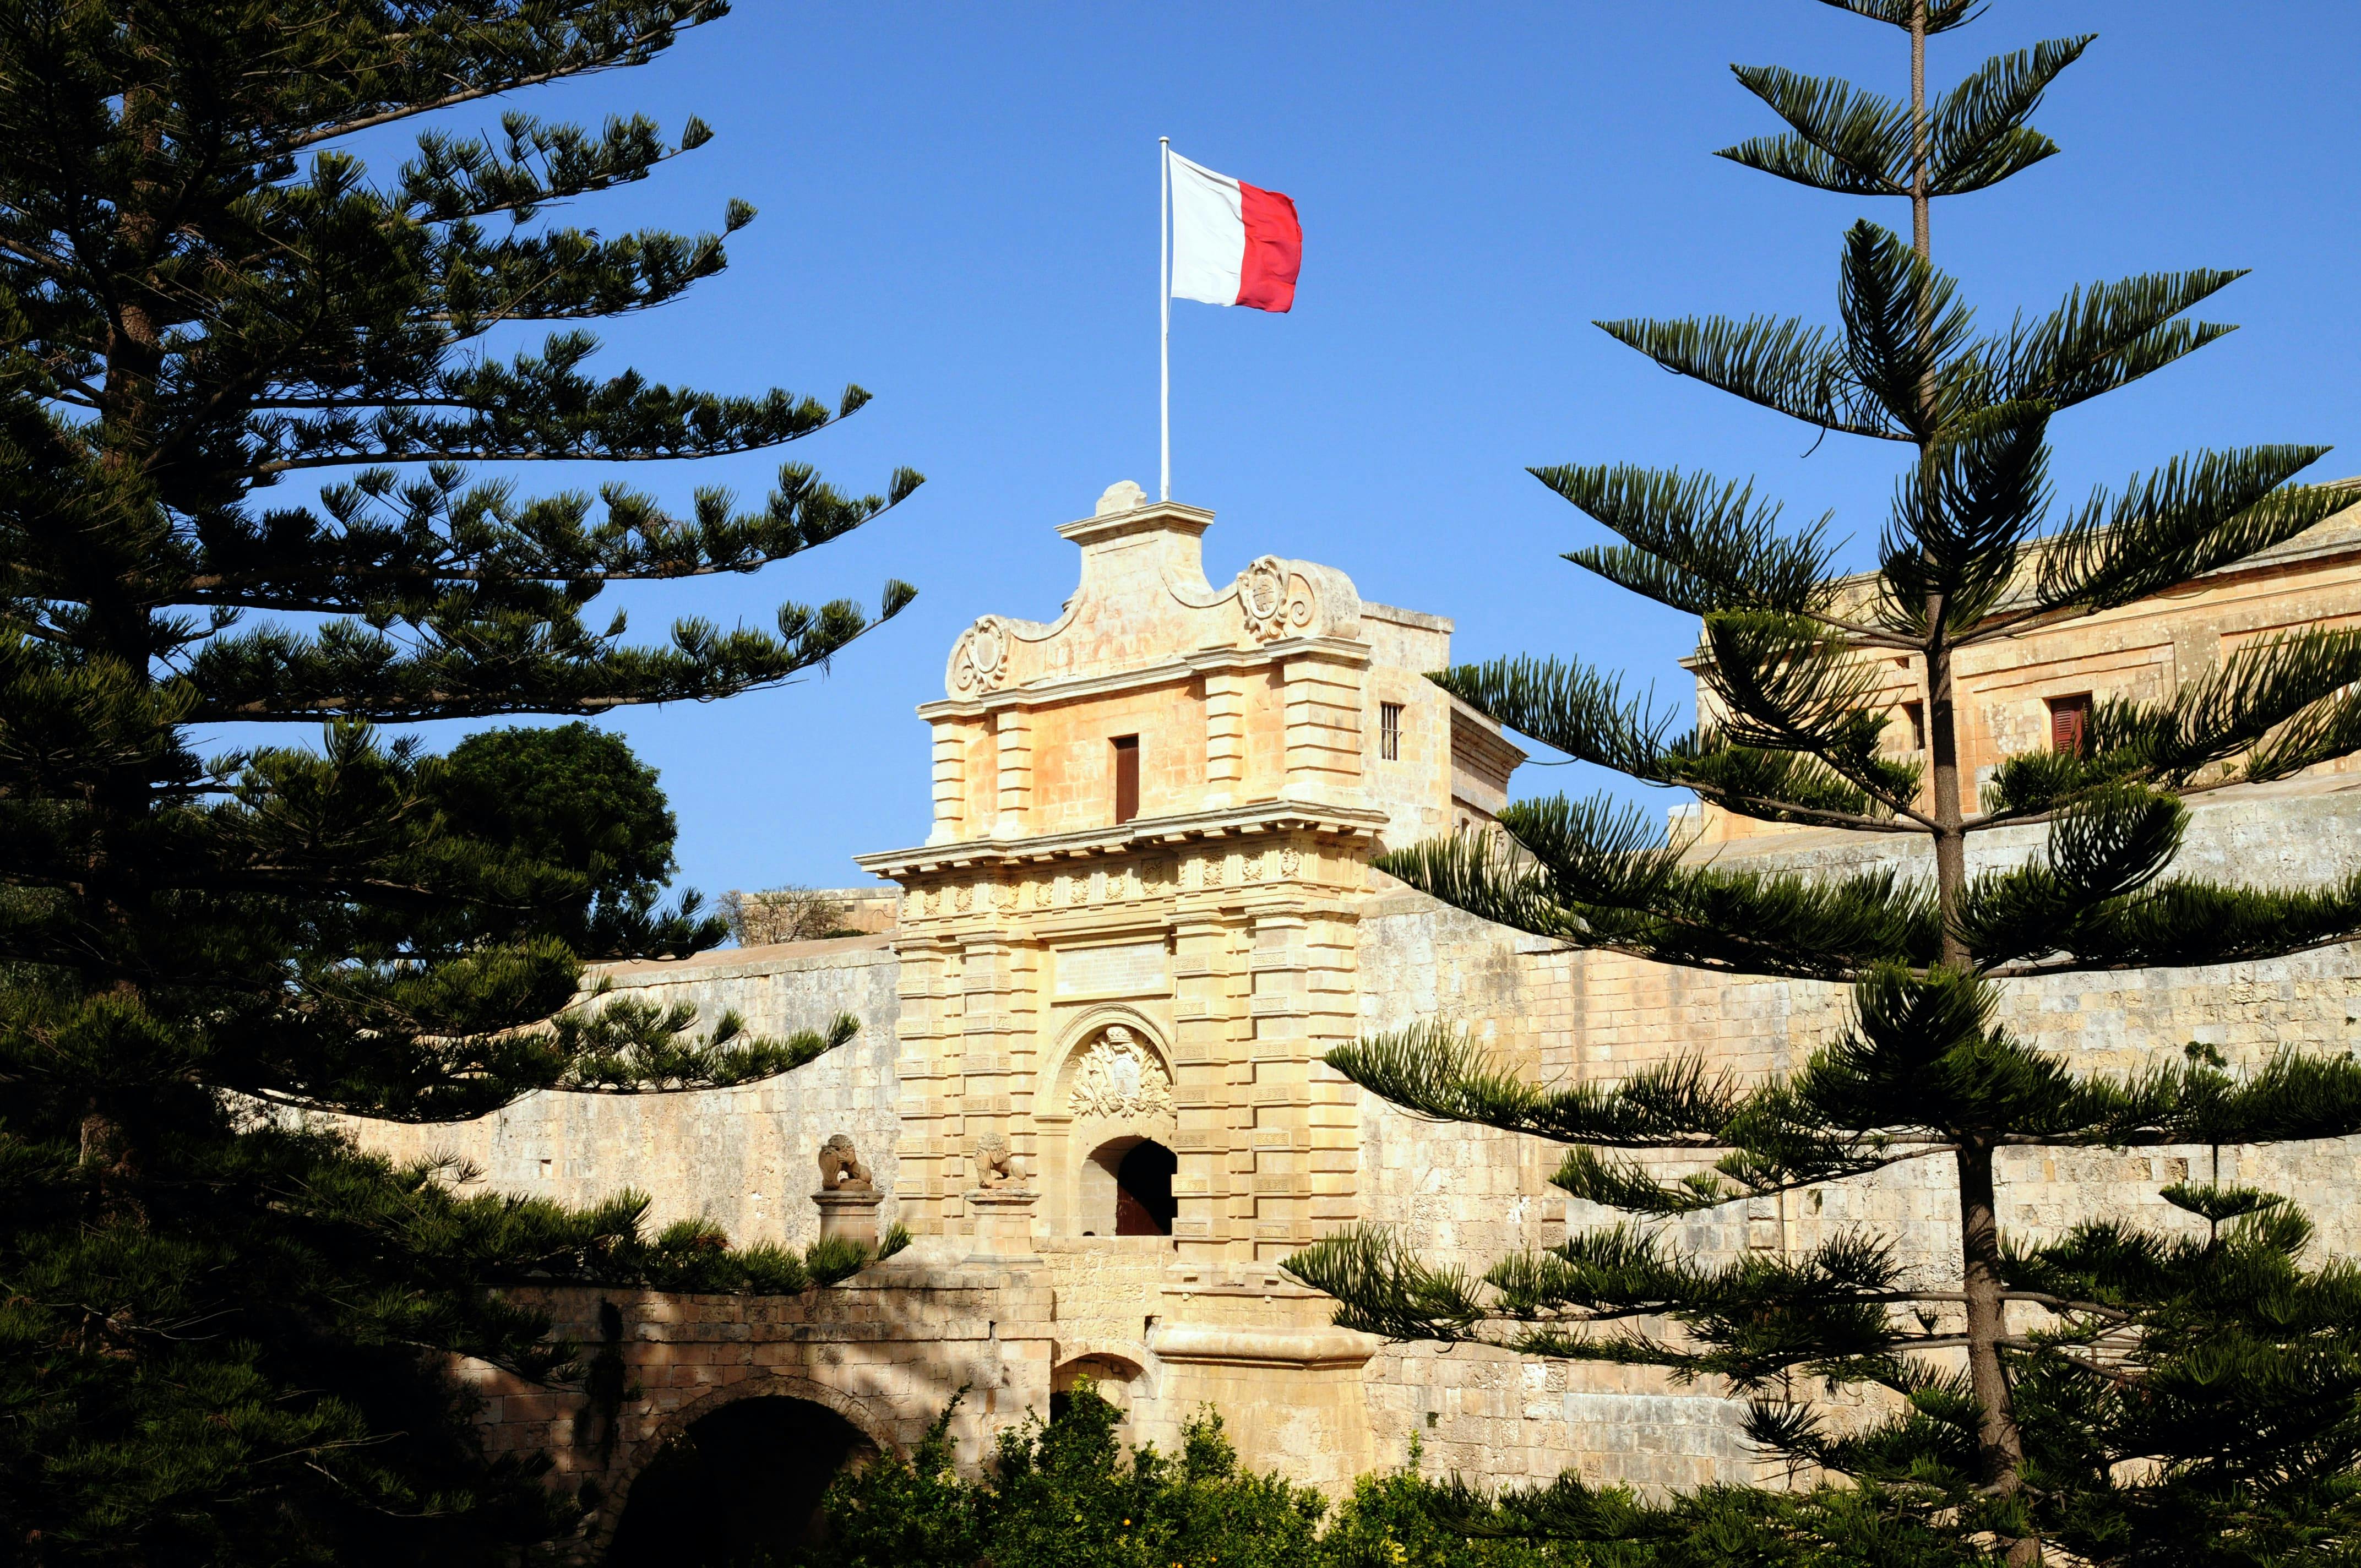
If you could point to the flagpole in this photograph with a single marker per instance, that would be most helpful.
(1164, 308)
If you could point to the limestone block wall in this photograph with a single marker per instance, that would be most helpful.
(1468, 1195)
(745, 1157)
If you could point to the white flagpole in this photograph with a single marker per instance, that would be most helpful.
(1164, 307)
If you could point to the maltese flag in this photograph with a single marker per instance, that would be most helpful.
(1233, 244)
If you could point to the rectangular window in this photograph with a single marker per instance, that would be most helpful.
(1126, 777)
(1390, 730)
(2070, 723)
(1915, 712)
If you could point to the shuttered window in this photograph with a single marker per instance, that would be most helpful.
(1126, 777)
(2070, 723)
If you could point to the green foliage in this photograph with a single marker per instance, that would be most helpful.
(2132, 1397)
(1066, 1492)
(575, 797)
(224, 1338)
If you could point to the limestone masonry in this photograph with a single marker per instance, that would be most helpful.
(1089, 1074)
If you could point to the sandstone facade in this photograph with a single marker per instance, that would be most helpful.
(1085, 984)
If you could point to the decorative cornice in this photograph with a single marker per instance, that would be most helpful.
(1039, 694)
(1130, 838)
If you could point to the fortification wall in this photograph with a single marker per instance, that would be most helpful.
(1468, 1195)
(745, 1157)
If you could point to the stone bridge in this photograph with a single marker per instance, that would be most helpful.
(859, 1368)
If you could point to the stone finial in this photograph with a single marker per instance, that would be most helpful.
(1123, 495)
(996, 1163)
(840, 1167)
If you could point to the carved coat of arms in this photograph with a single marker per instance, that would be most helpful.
(1119, 1078)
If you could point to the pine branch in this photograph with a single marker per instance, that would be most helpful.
(2106, 335)
(1845, 140)
(1696, 543)
(1436, 1071)
(1941, 16)
(1977, 134)
(1903, 325)
(2193, 516)
(1596, 874)
(1784, 365)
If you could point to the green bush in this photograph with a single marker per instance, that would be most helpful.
(1065, 1494)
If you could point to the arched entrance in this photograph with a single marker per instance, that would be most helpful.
(1127, 1189)
(741, 1485)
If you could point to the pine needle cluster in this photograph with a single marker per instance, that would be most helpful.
(2131, 1397)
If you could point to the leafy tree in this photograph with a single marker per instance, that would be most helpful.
(1789, 732)
(222, 1337)
(576, 797)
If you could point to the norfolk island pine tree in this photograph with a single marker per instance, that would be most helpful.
(222, 1337)
(1787, 733)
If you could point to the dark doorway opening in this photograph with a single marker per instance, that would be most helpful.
(1143, 1191)
(742, 1485)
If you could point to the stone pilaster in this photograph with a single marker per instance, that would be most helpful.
(1226, 698)
(951, 781)
(926, 1079)
(1013, 733)
(1321, 713)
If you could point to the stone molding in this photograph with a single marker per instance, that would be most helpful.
(1298, 1349)
(1129, 838)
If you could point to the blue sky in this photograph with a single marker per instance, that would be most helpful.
(959, 212)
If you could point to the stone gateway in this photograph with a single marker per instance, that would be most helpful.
(1089, 1081)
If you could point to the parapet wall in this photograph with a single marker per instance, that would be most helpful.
(744, 1157)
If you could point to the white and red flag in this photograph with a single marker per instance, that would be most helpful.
(1233, 244)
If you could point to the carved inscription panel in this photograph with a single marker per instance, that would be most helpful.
(1119, 969)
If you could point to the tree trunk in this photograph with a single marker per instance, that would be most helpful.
(1999, 1442)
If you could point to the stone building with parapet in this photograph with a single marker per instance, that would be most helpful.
(1144, 910)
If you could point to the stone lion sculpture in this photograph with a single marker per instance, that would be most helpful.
(996, 1163)
(839, 1165)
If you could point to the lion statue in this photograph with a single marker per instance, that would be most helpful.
(839, 1165)
(996, 1163)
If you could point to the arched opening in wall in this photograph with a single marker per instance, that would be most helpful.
(1132, 1195)
(1110, 1378)
(741, 1485)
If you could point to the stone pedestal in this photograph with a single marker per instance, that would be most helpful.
(1003, 1226)
(850, 1212)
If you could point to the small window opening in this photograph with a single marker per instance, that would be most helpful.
(1390, 730)
(1126, 777)
(1915, 712)
(2070, 723)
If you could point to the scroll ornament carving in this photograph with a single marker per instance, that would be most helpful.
(1270, 608)
(1119, 1078)
(981, 664)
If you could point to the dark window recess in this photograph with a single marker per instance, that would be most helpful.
(1389, 732)
(2070, 723)
(1915, 712)
(1126, 777)
(1143, 1191)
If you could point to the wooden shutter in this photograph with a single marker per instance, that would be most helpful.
(1126, 777)
(2070, 720)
